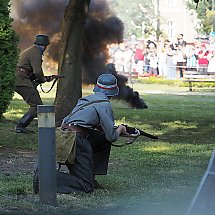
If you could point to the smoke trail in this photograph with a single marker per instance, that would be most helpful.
(103, 27)
(32, 17)
(126, 93)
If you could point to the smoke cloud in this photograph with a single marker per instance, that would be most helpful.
(102, 28)
(38, 17)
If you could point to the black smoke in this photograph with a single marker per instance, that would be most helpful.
(32, 17)
(126, 93)
(102, 28)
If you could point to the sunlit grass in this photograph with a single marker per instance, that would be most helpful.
(158, 148)
(179, 124)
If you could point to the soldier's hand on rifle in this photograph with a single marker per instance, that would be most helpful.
(49, 78)
(131, 131)
(52, 77)
(121, 129)
(138, 132)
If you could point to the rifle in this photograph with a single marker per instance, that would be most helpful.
(56, 76)
(133, 134)
(48, 78)
(132, 130)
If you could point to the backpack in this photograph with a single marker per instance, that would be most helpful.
(65, 146)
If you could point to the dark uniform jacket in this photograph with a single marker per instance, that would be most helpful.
(31, 63)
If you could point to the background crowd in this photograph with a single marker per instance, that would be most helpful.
(168, 59)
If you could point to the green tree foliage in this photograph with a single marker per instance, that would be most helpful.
(204, 14)
(134, 15)
(8, 56)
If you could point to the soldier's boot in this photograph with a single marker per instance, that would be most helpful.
(23, 123)
(97, 185)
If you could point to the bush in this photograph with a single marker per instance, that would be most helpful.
(8, 56)
(160, 80)
(177, 82)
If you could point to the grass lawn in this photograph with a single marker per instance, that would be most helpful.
(148, 177)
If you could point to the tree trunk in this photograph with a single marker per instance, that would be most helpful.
(69, 88)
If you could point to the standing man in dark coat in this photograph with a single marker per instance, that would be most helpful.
(29, 71)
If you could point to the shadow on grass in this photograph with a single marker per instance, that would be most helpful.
(149, 177)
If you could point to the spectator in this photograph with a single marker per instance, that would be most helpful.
(153, 60)
(170, 62)
(180, 41)
(139, 58)
(162, 58)
(202, 59)
(191, 58)
(128, 56)
(181, 59)
(211, 60)
(151, 47)
(119, 58)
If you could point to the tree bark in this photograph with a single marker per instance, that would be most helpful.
(69, 89)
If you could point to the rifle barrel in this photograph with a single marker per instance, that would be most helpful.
(58, 76)
(143, 133)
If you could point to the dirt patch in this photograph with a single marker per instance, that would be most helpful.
(13, 161)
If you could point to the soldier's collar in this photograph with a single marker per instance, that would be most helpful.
(41, 49)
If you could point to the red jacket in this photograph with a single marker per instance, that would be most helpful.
(203, 60)
(139, 54)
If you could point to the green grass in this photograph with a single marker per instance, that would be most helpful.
(150, 177)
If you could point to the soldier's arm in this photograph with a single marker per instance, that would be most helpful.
(36, 63)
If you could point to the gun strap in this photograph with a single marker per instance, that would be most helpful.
(87, 104)
(54, 82)
(141, 133)
(126, 143)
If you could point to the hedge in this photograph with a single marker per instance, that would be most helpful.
(8, 56)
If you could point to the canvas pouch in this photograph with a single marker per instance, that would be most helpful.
(65, 146)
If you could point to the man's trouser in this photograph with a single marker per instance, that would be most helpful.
(181, 68)
(32, 98)
(92, 156)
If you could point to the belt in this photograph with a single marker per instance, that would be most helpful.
(76, 128)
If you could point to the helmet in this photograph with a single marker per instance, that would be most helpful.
(42, 39)
(107, 84)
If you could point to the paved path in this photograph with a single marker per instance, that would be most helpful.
(201, 93)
